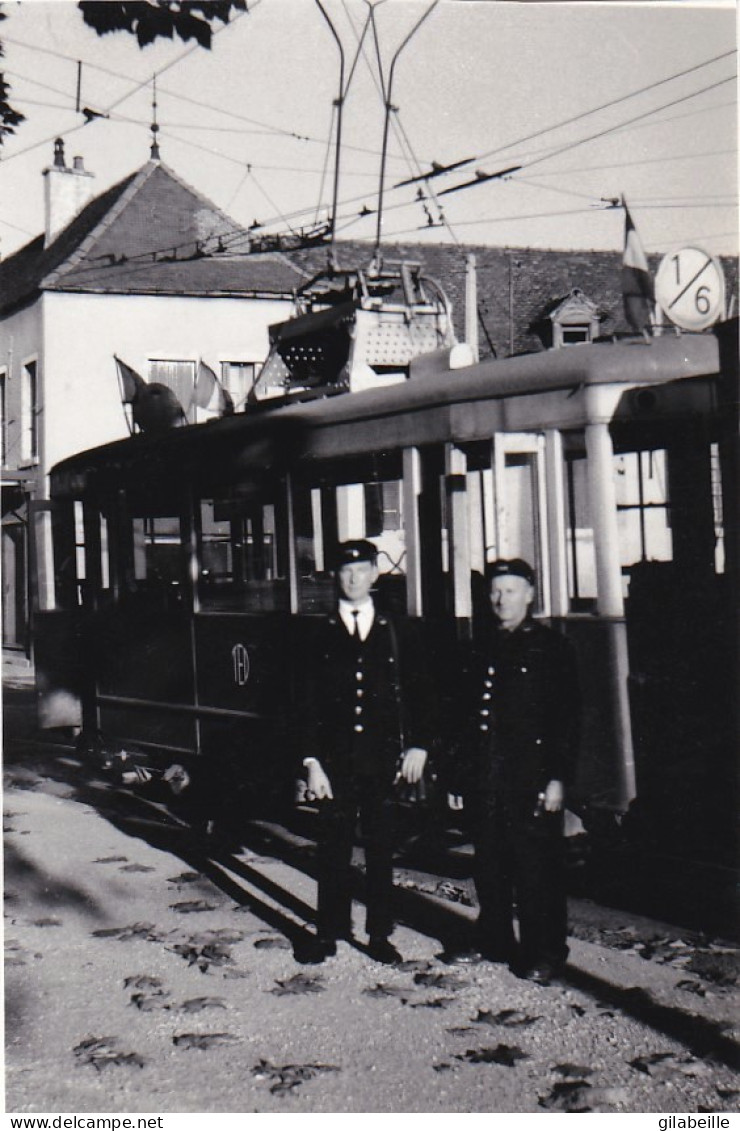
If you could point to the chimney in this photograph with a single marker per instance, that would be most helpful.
(66, 192)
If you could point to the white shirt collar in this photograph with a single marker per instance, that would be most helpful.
(365, 616)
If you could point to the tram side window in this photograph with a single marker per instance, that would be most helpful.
(580, 550)
(642, 507)
(243, 564)
(324, 516)
(157, 545)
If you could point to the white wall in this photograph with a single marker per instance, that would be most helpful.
(20, 341)
(82, 333)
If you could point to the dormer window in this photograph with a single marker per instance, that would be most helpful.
(575, 320)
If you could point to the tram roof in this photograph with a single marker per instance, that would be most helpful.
(280, 434)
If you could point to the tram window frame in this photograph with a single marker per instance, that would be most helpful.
(245, 522)
(322, 517)
(643, 494)
(579, 572)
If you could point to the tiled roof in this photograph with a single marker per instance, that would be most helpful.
(538, 278)
(150, 234)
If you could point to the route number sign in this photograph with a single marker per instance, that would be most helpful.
(690, 288)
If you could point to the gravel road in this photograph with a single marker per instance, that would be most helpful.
(141, 979)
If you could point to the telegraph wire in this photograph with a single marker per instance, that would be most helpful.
(599, 134)
(641, 161)
(612, 102)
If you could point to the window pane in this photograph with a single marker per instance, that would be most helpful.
(327, 515)
(241, 569)
(581, 557)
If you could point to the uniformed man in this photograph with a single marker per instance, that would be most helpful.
(364, 727)
(520, 710)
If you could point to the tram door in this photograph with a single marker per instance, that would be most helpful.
(495, 506)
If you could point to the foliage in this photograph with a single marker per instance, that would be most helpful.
(9, 118)
(148, 20)
(154, 19)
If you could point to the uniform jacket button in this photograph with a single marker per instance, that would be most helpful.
(358, 728)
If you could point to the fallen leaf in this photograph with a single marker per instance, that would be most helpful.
(299, 984)
(136, 868)
(50, 922)
(142, 981)
(111, 860)
(101, 1053)
(440, 981)
(507, 1055)
(203, 1040)
(189, 906)
(148, 1003)
(197, 1004)
(568, 1095)
(286, 1077)
(510, 1018)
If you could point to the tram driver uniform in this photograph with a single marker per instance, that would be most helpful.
(364, 727)
(520, 708)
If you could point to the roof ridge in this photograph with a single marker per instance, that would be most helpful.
(101, 227)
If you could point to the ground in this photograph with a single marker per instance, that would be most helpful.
(143, 977)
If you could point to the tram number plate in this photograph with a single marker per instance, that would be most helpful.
(240, 660)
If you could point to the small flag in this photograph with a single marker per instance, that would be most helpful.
(132, 383)
(637, 283)
(209, 393)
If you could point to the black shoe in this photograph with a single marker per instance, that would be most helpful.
(316, 949)
(381, 950)
(463, 957)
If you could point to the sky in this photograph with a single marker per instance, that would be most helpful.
(587, 103)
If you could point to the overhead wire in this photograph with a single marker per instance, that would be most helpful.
(607, 105)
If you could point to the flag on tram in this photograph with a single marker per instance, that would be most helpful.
(637, 283)
(209, 393)
(132, 383)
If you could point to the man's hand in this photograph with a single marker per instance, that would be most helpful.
(454, 801)
(318, 786)
(554, 796)
(412, 766)
(177, 778)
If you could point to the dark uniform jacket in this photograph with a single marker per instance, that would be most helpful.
(518, 719)
(363, 703)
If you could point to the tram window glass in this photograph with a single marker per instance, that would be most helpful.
(242, 568)
(326, 515)
(580, 551)
(158, 557)
(79, 550)
(641, 485)
(178, 376)
(104, 554)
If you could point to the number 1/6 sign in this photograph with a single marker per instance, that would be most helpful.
(690, 288)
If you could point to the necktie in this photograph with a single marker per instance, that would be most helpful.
(356, 626)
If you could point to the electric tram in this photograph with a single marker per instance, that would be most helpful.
(188, 565)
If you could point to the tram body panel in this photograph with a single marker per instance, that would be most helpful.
(512, 458)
